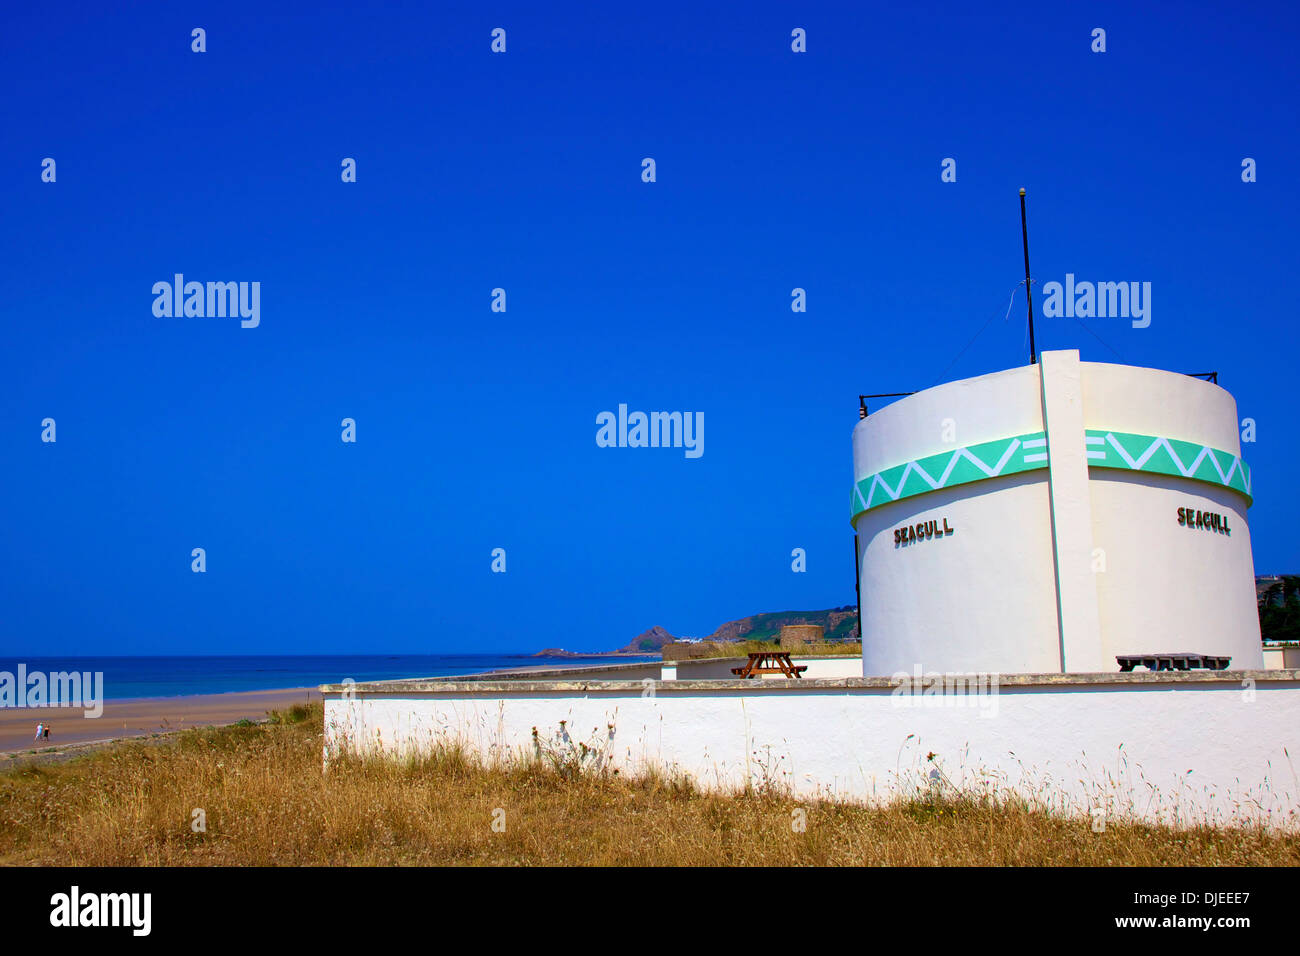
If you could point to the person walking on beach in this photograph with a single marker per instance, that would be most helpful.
(47, 731)
(39, 729)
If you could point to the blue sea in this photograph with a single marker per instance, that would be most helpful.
(179, 676)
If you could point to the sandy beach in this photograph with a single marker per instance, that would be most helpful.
(140, 717)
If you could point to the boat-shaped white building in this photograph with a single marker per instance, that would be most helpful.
(1051, 518)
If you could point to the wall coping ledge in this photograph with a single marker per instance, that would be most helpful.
(433, 686)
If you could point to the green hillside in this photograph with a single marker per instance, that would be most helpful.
(839, 624)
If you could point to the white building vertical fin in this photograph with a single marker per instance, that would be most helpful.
(1077, 610)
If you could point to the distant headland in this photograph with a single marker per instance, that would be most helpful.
(1278, 597)
(839, 624)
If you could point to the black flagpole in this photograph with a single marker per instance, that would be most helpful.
(1029, 292)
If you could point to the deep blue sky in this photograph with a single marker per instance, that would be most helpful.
(477, 430)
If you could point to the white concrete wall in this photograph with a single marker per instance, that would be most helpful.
(1179, 751)
(1188, 590)
(830, 667)
(986, 597)
(981, 599)
(942, 604)
(705, 668)
(1149, 401)
(1278, 658)
(1167, 588)
(981, 409)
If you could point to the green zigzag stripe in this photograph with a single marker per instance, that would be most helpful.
(1008, 456)
(1168, 456)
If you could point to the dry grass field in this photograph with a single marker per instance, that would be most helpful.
(266, 802)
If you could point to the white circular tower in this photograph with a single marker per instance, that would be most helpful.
(1051, 517)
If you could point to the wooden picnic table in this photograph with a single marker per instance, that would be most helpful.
(769, 662)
